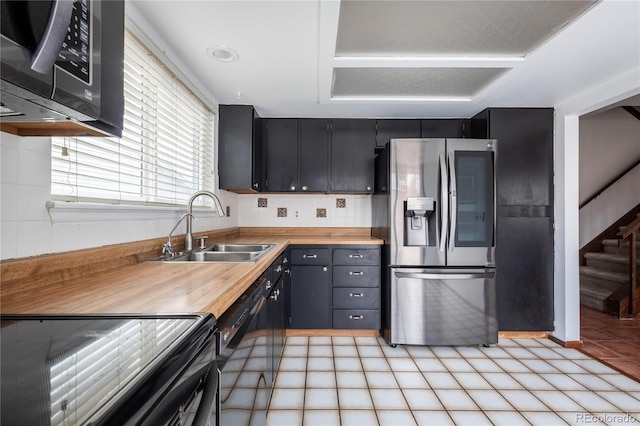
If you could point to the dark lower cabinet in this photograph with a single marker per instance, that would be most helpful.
(524, 249)
(277, 315)
(335, 287)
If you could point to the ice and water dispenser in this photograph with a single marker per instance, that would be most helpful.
(419, 221)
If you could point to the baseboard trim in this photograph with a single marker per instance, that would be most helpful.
(522, 334)
(332, 333)
(571, 344)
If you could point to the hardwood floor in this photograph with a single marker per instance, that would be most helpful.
(611, 340)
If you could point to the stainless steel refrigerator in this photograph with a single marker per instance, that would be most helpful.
(435, 208)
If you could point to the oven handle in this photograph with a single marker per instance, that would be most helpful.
(208, 397)
(53, 35)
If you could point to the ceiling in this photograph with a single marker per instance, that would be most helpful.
(384, 58)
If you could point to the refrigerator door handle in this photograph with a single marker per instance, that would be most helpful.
(446, 276)
(444, 204)
(454, 201)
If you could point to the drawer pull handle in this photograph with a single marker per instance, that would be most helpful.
(356, 256)
(356, 295)
(356, 273)
(309, 256)
(279, 268)
(356, 317)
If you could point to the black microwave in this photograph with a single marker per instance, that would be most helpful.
(62, 62)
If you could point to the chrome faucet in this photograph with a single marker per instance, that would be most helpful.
(167, 248)
(188, 238)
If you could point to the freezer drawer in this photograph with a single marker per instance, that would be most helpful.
(442, 307)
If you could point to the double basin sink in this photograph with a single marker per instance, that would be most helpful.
(229, 253)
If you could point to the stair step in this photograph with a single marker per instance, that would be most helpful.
(609, 261)
(616, 278)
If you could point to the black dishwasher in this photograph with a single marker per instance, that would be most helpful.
(242, 358)
(108, 369)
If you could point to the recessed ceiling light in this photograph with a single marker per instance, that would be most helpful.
(222, 53)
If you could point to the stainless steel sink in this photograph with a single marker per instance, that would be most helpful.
(239, 247)
(217, 256)
(221, 253)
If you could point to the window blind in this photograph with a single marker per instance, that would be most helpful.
(165, 152)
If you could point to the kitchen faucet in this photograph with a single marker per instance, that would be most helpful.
(188, 238)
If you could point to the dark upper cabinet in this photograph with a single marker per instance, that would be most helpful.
(352, 155)
(445, 128)
(282, 154)
(525, 153)
(524, 249)
(395, 129)
(240, 159)
(314, 141)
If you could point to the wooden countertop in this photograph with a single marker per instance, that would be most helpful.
(160, 288)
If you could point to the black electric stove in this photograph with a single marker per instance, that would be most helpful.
(102, 369)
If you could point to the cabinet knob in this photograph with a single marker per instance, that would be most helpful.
(305, 187)
(268, 285)
(325, 269)
(293, 187)
(279, 268)
(368, 188)
(255, 185)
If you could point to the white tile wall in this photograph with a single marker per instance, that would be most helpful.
(27, 230)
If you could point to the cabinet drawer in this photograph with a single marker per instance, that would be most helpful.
(356, 276)
(356, 298)
(356, 318)
(356, 256)
(310, 256)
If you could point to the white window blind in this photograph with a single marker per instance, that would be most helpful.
(165, 152)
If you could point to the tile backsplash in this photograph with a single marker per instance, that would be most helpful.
(304, 210)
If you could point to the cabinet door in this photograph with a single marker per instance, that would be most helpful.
(395, 129)
(314, 155)
(240, 159)
(310, 297)
(282, 154)
(445, 128)
(352, 155)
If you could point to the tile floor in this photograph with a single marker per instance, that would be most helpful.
(362, 381)
(614, 341)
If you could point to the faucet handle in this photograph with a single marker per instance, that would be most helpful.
(167, 248)
(202, 243)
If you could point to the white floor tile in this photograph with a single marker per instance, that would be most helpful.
(506, 418)
(445, 352)
(429, 364)
(621, 382)
(297, 340)
(457, 365)
(342, 340)
(358, 417)
(476, 418)
(485, 365)
(567, 366)
(543, 418)
(593, 382)
(546, 353)
(395, 418)
(369, 351)
(366, 341)
(430, 418)
(532, 381)
(519, 353)
(295, 351)
(523, 400)
(347, 364)
(489, 399)
(320, 351)
(558, 401)
(321, 399)
(293, 364)
(388, 399)
(321, 417)
(472, 381)
(539, 366)
(622, 400)
(441, 380)
(355, 399)
(422, 399)
(390, 352)
(470, 352)
(291, 379)
(319, 340)
(381, 379)
(502, 381)
(321, 379)
(345, 351)
(287, 399)
(562, 382)
(495, 352)
(320, 364)
(411, 380)
(511, 365)
(351, 379)
(592, 401)
(284, 418)
(420, 351)
(455, 399)
(595, 366)
(375, 364)
(402, 364)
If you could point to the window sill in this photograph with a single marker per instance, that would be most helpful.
(67, 212)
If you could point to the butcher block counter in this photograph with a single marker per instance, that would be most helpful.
(118, 280)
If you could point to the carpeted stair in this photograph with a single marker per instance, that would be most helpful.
(606, 273)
